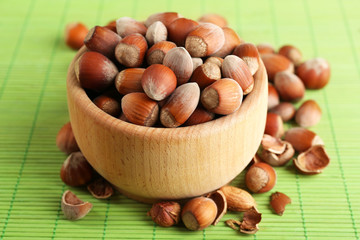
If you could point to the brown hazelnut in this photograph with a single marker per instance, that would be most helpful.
(109, 103)
(315, 73)
(289, 86)
(76, 171)
(273, 96)
(100, 188)
(199, 213)
(165, 214)
(308, 114)
(292, 53)
(74, 208)
(274, 125)
(65, 139)
(278, 201)
(285, 110)
(313, 161)
(75, 34)
(302, 139)
(260, 177)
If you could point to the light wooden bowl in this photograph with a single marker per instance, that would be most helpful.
(148, 164)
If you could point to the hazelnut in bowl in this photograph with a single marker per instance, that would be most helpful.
(152, 163)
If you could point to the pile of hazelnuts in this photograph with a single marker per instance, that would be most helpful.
(170, 71)
(167, 71)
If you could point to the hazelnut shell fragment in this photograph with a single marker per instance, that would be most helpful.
(74, 208)
(278, 201)
(221, 203)
(313, 161)
(251, 219)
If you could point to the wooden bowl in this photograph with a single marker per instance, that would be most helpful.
(148, 164)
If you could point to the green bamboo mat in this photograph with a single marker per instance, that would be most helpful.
(33, 65)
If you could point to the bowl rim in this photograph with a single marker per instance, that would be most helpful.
(81, 98)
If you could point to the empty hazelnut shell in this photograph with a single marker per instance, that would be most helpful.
(74, 208)
(313, 161)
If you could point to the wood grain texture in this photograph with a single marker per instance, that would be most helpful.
(149, 163)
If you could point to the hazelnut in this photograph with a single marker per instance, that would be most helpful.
(238, 200)
(95, 71)
(216, 60)
(224, 96)
(204, 40)
(158, 82)
(308, 114)
(285, 110)
(273, 96)
(232, 40)
(109, 103)
(76, 171)
(292, 53)
(265, 48)
(140, 109)
(165, 17)
(180, 105)
(199, 213)
(214, 18)
(100, 188)
(289, 86)
(126, 26)
(74, 208)
(65, 139)
(312, 161)
(131, 50)
(206, 74)
(235, 68)
(275, 63)
(157, 52)
(156, 32)
(179, 29)
(179, 61)
(260, 178)
(165, 214)
(196, 62)
(315, 73)
(75, 34)
(278, 201)
(102, 40)
(249, 53)
(129, 80)
(302, 139)
(200, 115)
(274, 125)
